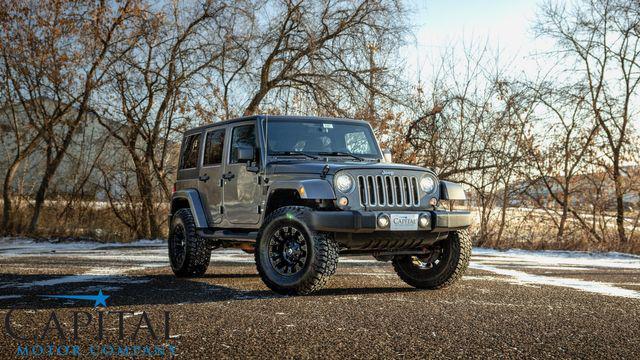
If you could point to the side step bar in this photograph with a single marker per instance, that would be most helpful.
(385, 253)
(226, 235)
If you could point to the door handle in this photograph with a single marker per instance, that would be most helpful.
(203, 178)
(228, 176)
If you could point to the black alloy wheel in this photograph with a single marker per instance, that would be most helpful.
(288, 250)
(177, 246)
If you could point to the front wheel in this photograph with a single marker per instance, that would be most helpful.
(444, 265)
(291, 258)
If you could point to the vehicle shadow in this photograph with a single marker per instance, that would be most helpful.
(32, 291)
(229, 276)
(363, 291)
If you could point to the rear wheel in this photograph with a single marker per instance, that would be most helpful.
(290, 257)
(189, 254)
(444, 265)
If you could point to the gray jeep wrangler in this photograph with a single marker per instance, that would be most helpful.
(298, 191)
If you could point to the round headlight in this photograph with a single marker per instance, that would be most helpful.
(344, 183)
(427, 184)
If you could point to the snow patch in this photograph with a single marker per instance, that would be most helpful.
(522, 278)
(11, 246)
(73, 279)
(95, 275)
(558, 258)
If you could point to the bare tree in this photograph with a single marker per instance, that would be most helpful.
(54, 54)
(151, 86)
(470, 126)
(600, 41)
(559, 159)
(322, 52)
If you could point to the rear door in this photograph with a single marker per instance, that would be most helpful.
(241, 188)
(210, 179)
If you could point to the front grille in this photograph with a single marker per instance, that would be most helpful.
(388, 191)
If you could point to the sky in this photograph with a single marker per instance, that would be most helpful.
(505, 25)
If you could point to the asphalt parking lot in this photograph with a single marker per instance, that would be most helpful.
(512, 304)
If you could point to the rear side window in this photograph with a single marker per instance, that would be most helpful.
(244, 135)
(190, 152)
(213, 148)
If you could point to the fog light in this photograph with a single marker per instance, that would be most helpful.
(433, 201)
(383, 221)
(424, 221)
(343, 201)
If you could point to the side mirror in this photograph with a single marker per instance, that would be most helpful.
(244, 153)
(386, 153)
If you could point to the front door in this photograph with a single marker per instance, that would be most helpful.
(210, 184)
(241, 188)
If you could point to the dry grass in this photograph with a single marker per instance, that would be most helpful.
(523, 229)
(76, 221)
(536, 231)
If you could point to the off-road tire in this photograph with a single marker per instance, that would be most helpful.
(455, 260)
(197, 253)
(322, 256)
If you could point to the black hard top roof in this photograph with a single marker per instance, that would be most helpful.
(274, 117)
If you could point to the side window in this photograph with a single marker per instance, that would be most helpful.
(244, 135)
(190, 152)
(213, 148)
(357, 143)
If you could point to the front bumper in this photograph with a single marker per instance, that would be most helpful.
(366, 221)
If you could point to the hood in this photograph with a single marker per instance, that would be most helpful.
(300, 166)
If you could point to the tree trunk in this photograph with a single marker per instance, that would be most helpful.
(255, 102)
(151, 227)
(53, 164)
(147, 201)
(7, 224)
(50, 170)
(565, 210)
(503, 214)
(619, 201)
(484, 221)
(61, 151)
(563, 218)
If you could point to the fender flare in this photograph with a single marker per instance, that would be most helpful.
(451, 191)
(195, 205)
(316, 189)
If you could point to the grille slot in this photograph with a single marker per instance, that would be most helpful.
(380, 187)
(371, 191)
(388, 190)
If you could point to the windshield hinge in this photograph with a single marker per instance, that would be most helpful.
(325, 171)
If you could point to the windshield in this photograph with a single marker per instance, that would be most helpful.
(316, 137)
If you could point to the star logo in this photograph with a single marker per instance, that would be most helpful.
(99, 299)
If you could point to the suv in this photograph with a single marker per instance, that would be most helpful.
(299, 191)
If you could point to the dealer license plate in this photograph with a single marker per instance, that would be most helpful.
(404, 222)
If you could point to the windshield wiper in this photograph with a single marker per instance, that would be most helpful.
(289, 153)
(341, 153)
